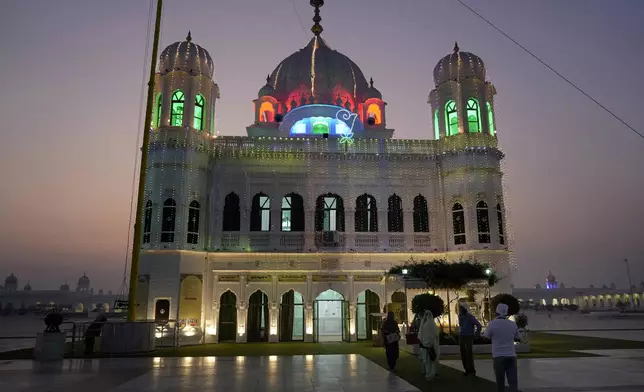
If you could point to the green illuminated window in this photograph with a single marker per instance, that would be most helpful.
(199, 105)
(473, 115)
(176, 114)
(451, 118)
(157, 121)
(490, 119)
(437, 131)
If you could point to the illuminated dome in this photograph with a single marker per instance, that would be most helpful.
(459, 65)
(188, 57)
(373, 92)
(11, 279)
(319, 71)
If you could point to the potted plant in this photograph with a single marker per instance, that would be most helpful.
(50, 344)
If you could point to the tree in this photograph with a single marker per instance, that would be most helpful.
(426, 301)
(508, 299)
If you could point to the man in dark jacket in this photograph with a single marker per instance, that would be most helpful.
(92, 332)
(470, 328)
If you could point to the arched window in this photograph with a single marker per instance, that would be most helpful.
(483, 222)
(193, 222)
(366, 215)
(451, 118)
(490, 119)
(421, 215)
(373, 110)
(292, 212)
(473, 115)
(266, 112)
(200, 103)
(329, 213)
(157, 119)
(176, 113)
(231, 213)
(147, 222)
(168, 218)
(395, 214)
(499, 217)
(260, 213)
(458, 221)
(437, 130)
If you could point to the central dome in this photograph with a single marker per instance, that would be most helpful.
(320, 72)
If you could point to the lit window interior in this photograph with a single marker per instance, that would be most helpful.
(374, 111)
(266, 112)
(319, 126)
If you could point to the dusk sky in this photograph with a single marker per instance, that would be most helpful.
(71, 73)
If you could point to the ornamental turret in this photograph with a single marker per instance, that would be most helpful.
(182, 129)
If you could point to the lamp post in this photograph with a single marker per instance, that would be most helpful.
(488, 272)
(405, 272)
(630, 284)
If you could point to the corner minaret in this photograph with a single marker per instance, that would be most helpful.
(462, 101)
(462, 109)
(182, 128)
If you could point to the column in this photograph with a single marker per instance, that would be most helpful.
(353, 336)
(241, 310)
(308, 309)
(273, 314)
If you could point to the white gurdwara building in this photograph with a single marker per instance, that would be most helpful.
(286, 234)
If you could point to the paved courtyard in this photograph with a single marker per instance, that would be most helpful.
(327, 373)
(615, 370)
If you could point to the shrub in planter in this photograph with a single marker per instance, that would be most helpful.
(522, 320)
(53, 321)
(426, 301)
(508, 299)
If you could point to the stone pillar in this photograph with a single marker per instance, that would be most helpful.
(241, 311)
(308, 309)
(353, 336)
(273, 314)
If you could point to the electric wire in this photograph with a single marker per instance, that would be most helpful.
(587, 95)
(299, 18)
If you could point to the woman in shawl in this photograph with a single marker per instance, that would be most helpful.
(391, 336)
(429, 346)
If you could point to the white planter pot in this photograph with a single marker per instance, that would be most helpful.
(50, 346)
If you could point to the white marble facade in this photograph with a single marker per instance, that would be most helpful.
(222, 214)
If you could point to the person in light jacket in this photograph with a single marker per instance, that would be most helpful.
(504, 333)
(429, 345)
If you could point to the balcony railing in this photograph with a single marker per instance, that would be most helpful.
(324, 241)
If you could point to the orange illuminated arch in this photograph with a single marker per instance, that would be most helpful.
(266, 112)
(373, 110)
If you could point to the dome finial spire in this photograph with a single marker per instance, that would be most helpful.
(456, 48)
(317, 28)
(189, 37)
(371, 82)
(268, 79)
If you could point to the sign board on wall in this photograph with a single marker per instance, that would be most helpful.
(329, 278)
(292, 278)
(228, 278)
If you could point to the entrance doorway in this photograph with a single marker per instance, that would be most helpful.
(291, 321)
(257, 322)
(366, 323)
(227, 317)
(330, 317)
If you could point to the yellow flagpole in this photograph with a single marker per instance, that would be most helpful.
(136, 247)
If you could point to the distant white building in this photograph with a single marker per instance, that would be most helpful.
(591, 298)
(285, 234)
(80, 300)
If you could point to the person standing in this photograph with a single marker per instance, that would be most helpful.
(92, 332)
(469, 329)
(391, 337)
(504, 333)
(429, 345)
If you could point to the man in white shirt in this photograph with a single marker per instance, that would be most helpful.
(504, 333)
